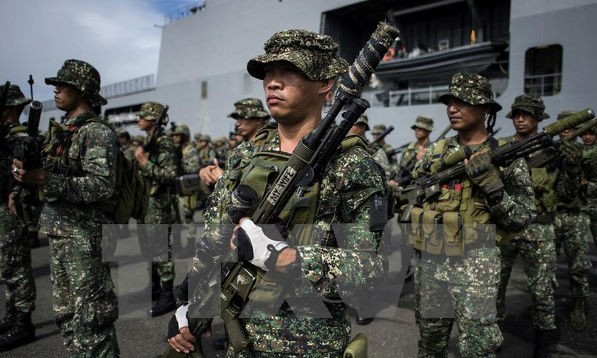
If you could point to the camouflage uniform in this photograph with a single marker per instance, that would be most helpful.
(84, 301)
(15, 254)
(345, 193)
(160, 171)
(204, 151)
(459, 278)
(409, 156)
(189, 165)
(536, 244)
(379, 129)
(589, 160)
(572, 227)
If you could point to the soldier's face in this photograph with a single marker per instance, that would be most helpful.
(177, 138)
(67, 97)
(144, 124)
(524, 123)
(589, 138)
(290, 96)
(247, 127)
(421, 133)
(464, 116)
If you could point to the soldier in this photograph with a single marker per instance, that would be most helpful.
(572, 227)
(376, 132)
(16, 327)
(189, 164)
(298, 71)
(250, 117)
(535, 244)
(459, 268)
(79, 174)
(204, 150)
(589, 160)
(158, 163)
(360, 127)
(126, 147)
(415, 150)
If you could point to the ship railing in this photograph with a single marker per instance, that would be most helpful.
(128, 87)
(187, 10)
(543, 85)
(406, 97)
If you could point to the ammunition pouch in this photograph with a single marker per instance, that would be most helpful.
(357, 348)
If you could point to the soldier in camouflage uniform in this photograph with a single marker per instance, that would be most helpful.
(415, 150)
(16, 327)
(78, 175)
(159, 166)
(124, 139)
(572, 227)
(536, 244)
(458, 270)
(204, 150)
(360, 127)
(250, 117)
(376, 132)
(181, 136)
(298, 65)
(589, 164)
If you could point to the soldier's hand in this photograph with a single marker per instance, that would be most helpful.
(183, 341)
(11, 203)
(572, 155)
(483, 173)
(251, 244)
(141, 156)
(31, 176)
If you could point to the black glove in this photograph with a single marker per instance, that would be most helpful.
(483, 173)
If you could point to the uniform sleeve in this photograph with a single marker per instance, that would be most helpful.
(356, 181)
(162, 168)
(98, 164)
(517, 208)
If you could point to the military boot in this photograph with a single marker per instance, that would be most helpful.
(8, 321)
(577, 315)
(166, 302)
(156, 288)
(544, 338)
(21, 332)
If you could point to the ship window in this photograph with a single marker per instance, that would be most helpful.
(203, 89)
(543, 70)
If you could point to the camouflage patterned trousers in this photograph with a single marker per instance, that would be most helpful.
(155, 237)
(592, 212)
(457, 290)
(15, 263)
(572, 229)
(84, 301)
(536, 246)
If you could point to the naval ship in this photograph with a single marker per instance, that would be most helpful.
(540, 47)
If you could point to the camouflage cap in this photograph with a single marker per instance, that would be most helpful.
(182, 129)
(204, 138)
(121, 132)
(471, 88)
(15, 96)
(220, 140)
(83, 77)
(315, 55)
(249, 108)
(564, 114)
(151, 111)
(423, 122)
(363, 120)
(529, 104)
(378, 129)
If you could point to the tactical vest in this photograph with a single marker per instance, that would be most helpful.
(544, 185)
(457, 220)
(259, 172)
(10, 141)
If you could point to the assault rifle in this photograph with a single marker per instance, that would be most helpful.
(452, 166)
(152, 140)
(28, 151)
(383, 135)
(305, 166)
(551, 154)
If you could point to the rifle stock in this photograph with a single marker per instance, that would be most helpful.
(452, 166)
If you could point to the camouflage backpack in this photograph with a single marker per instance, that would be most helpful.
(131, 193)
